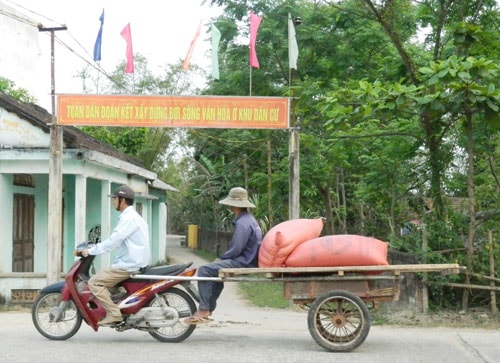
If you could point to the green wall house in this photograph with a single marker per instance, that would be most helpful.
(91, 170)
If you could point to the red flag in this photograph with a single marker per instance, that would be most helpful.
(254, 27)
(127, 35)
(187, 60)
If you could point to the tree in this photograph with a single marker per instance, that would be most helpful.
(391, 96)
(451, 91)
(9, 88)
(325, 35)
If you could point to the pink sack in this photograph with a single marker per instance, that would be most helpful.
(339, 250)
(283, 238)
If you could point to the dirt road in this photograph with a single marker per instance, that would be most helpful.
(242, 333)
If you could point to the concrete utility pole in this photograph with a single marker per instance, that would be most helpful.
(54, 241)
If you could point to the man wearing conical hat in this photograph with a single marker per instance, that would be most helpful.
(242, 252)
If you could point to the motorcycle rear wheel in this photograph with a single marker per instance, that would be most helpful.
(185, 306)
(42, 314)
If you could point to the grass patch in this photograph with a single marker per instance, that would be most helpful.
(264, 294)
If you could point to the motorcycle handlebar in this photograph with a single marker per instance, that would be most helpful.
(80, 247)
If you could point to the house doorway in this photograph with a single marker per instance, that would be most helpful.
(23, 233)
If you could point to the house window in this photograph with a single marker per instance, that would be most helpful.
(24, 180)
(23, 234)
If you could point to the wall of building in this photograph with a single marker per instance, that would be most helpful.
(20, 58)
(5, 224)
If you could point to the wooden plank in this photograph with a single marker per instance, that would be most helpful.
(282, 278)
(341, 270)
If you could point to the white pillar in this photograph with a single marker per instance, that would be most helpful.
(162, 231)
(105, 218)
(80, 209)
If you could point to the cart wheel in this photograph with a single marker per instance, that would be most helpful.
(338, 321)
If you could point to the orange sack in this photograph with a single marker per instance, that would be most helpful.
(283, 238)
(339, 250)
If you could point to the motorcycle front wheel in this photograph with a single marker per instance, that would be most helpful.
(53, 322)
(185, 306)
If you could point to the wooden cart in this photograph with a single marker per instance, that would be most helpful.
(337, 297)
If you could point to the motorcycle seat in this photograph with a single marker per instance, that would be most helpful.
(167, 270)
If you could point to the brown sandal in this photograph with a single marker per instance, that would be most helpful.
(193, 320)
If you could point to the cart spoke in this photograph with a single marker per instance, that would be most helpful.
(338, 321)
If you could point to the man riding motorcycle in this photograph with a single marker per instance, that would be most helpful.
(131, 237)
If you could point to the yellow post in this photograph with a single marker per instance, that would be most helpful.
(192, 236)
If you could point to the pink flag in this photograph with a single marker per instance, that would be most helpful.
(254, 27)
(127, 35)
(187, 60)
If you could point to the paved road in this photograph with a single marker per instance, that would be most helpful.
(241, 333)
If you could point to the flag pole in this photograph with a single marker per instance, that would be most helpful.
(294, 146)
(250, 80)
(97, 49)
(97, 80)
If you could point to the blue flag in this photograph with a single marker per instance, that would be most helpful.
(98, 41)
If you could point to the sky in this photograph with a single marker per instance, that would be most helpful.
(162, 31)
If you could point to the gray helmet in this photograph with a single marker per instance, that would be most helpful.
(123, 191)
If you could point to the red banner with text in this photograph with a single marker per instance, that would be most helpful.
(174, 111)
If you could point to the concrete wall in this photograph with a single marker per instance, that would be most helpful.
(20, 53)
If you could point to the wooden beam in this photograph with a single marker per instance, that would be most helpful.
(466, 286)
(453, 268)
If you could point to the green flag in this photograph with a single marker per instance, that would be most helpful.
(215, 51)
(293, 49)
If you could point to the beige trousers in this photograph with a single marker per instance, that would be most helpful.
(101, 282)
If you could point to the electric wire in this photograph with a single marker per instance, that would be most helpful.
(217, 142)
(91, 64)
(60, 41)
(18, 18)
(224, 140)
(27, 20)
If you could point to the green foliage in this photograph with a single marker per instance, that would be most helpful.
(388, 120)
(9, 88)
(128, 140)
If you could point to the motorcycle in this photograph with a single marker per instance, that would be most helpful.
(150, 304)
